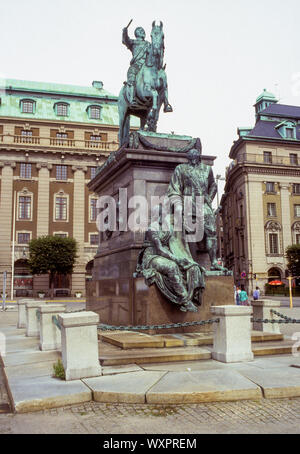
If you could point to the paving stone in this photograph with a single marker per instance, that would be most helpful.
(129, 388)
(38, 393)
(16, 359)
(44, 368)
(276, 383)
(112, 370)
(195, 386)
(186, 366)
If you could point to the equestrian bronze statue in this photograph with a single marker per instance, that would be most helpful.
(146, 88)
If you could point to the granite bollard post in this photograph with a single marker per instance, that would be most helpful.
(232, 335)
(79, 344)
(32, 322)
(22, 322)
(262, 310)
(50, 335)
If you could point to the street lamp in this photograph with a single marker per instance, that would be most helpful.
(218, 178)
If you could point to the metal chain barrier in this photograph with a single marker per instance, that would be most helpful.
(105, 327)
(283, 319)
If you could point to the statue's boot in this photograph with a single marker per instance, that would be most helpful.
(130, 94)
(168, 108)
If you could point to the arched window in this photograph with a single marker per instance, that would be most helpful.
(273, 238)
(296, 232)
(62, 109)
(94, 112)
(27, 106)
(274, 274)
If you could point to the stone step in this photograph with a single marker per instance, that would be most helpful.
(154, 356)
(282, 348)
(132, 340)
(113, 356)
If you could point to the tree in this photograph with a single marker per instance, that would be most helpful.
(52, 255)
(293, 258)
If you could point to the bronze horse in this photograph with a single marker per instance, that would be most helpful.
(151, 89)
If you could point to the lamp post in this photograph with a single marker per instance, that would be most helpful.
(218, 178)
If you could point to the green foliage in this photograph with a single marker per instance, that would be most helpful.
(59, 371)
(293, 258)
(52, 254)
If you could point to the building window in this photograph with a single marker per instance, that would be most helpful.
(273, 243)
(297, 238)
(271, 209)
(61, 173)
(25, 170)
(27, 106)
(93, 172)
(267, 157)
(24, 207)
(289, 133)
(294, 159)
(61, 208)
(270, 187)
(297, 211)
(94, 239)
(61, 136)
(23, 238)
(61, 109)
(94, 112)
(93, 209)
(61, 235)
(296, 188)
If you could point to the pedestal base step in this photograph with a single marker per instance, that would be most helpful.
(132, 340)
(154, 356)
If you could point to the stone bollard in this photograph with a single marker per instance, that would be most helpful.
(50, 335)
(22, 322)
(232, 335)
(32, 322)
(262, 310)
(79, 344)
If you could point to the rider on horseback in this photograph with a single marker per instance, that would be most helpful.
(139, 48)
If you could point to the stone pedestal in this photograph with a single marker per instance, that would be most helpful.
(79, 344)
(144, 169)
(32, 321)
(22, 321)
(129, 301)
(50, 335)
(262, 310)
(232, 335)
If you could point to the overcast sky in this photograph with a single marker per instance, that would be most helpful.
(220, 55)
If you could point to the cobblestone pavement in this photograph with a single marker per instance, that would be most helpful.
(261, 416)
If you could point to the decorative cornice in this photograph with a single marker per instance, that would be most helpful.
(82, 168)
(43, 165)
(11, 164)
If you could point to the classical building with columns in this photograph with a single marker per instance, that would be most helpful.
(261, 201)
(52, 139)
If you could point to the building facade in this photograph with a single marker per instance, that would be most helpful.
(52, 139)
(261, 200)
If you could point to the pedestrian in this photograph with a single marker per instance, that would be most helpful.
(243, 297)
(237, 295)
(256, 294)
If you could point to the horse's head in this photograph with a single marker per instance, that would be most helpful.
(157, 38)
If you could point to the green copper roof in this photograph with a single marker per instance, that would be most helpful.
(55, 88)
(46, 95)
(267, 96)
